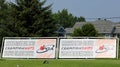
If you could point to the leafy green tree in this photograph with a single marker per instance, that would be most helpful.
(89, 30)
(86, 30)
(81, 19)
(65, 19)
(77, 32)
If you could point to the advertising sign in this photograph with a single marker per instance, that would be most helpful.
(29, 48)
(87, 48)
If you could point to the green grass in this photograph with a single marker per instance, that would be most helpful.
(61, 63)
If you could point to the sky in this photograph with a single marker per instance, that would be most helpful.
(88, 8)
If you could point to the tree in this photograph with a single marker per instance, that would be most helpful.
(86, 30)
(26, 18)
(81, 19)
(65, 19)
(3, 19)
(89, 30)
(77, 32)
(3, 11)
(32, 19)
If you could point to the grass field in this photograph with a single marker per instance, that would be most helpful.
(61, 63)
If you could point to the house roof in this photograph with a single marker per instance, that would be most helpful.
(102, 26)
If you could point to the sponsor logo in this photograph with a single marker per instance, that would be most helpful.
(44, 48)
(101, 49)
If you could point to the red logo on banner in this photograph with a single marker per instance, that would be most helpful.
(45, 48)
(42, 47)
(101, 49)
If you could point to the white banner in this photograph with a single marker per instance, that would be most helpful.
(29, 48)
(87, 48)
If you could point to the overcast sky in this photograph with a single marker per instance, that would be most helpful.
(88, 8)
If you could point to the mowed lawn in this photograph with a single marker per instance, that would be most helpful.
(61, 63)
